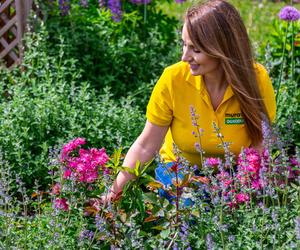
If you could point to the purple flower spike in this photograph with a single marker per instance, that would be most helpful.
(289, 13)
(115, 8)
(64, 6)
(180, 1)
(84, 3)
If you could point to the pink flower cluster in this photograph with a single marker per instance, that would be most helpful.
(213, 162)
(83, 164)
(62, 204)
(70, 147)
(249, 165)
(253, 171)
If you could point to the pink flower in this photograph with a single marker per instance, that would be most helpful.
(250, 159)
(71, 146)
(99, 156)
(67, 174)
(84, 167)
(242, 198)
(294, 161)
(56, 188)
(225, 179)
(213, 162)
(256, 184)
(62, 204)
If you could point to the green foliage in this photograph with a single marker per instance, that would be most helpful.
(127, 56)
(282, 59)
(45, 102)
(276, 46)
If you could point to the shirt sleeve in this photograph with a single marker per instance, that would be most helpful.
(160, 108)
(267, 92)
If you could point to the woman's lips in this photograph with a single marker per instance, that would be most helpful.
(194, 66)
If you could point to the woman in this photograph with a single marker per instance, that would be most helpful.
(219, 78)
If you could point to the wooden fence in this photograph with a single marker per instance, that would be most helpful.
(13, 16)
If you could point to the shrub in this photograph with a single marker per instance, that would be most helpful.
(44, 102)
(126, 55)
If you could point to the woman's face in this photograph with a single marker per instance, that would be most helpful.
(200, 63)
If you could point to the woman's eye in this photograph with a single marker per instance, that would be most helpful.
(196, 51)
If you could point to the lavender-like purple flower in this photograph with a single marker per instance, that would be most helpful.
(100, 224)
(210, 244)
(180, 1)
(115, 8)
(297, 227)
(231, 238)
(102, 3)
(184, 233)
(86, 234)
(64, 7)
(84, 3)
(289, 13)
(140, 1)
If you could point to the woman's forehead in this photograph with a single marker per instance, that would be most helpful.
(185, 35)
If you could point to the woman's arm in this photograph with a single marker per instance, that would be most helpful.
(143, 149)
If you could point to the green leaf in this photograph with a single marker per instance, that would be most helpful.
(165, 233)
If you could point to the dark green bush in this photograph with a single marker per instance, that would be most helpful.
(44, 103)
(126, 56)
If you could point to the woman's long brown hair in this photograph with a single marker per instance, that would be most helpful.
(217, 29)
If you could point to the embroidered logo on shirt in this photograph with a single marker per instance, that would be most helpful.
(234, 119)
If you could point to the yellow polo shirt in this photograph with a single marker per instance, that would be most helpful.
(173, 95)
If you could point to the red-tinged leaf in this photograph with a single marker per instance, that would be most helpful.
(108, 215)
(35, 194)
(186, 180)
(118, 196)
(201, 179)
(151, 218)
(90, 210)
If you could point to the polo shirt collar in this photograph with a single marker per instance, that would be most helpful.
(198, 83)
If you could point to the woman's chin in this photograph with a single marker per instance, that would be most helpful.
(195, 72)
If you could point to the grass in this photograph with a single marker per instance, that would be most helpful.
(257, 15)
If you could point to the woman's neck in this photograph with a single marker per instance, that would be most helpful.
(215, 81)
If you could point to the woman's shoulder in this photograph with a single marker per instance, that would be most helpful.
(262, 74)
(260, 69)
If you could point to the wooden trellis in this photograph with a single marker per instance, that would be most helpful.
(13, 16)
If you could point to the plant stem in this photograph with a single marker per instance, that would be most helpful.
(282, 62)
(221, 221)
(293, 54)
(177, 198)
(173, 239)
(145, 12)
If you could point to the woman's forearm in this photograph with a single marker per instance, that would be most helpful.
(142, 150)
(136, 153)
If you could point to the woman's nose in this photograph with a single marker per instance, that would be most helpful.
(185, 55)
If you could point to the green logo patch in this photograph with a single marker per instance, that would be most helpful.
(234, 121)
